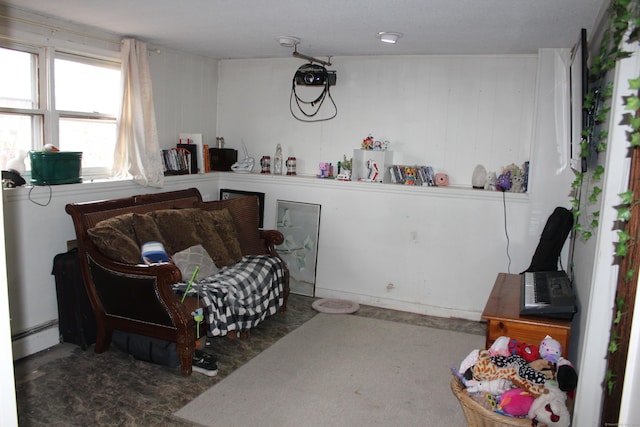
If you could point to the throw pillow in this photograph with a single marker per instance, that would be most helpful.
(115, 244)
(188, 259)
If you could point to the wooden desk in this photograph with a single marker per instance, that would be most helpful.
(502, 314)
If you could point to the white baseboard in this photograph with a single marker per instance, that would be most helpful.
(35, 343)
(391, 304)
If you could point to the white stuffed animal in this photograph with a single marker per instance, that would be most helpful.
(491, 182)
(495, 387)
(550, 407)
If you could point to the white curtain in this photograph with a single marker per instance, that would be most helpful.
(137, 152)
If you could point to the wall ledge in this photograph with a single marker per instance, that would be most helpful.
(307, 181)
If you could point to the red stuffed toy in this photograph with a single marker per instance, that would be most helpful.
(526, 351)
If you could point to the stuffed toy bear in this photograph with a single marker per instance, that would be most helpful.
(550, 408)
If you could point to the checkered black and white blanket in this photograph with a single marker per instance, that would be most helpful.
(240, 296)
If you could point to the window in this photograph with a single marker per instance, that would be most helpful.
(80, 116)
(87, 98)
(21, 118)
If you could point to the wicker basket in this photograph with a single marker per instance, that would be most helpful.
(477, 416)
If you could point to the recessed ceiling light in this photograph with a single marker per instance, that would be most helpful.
(388, 37)
(288, 41)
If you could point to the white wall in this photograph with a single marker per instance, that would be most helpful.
(449, 112)
(185, 95)
(441, 248)
(428, 238)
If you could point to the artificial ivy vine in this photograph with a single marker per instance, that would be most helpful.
(624, 20)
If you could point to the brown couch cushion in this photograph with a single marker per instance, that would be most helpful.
(222, 223)
(183, 228)
(246, 219)
(115, 244)
(122, 223)
(146, 229)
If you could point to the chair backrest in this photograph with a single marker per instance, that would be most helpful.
(87, 214)
(245, 212)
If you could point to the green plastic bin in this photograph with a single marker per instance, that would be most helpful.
(55, 167)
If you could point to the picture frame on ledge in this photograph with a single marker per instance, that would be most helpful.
(299, 223)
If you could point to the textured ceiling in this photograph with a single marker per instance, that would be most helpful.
(249, 28)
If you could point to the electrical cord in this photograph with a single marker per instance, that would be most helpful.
(506, 230)
(38, 203)
(319, 101)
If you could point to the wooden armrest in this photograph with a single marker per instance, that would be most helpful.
(136, 291)
(271, 238)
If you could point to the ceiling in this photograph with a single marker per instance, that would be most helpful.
(249, 28)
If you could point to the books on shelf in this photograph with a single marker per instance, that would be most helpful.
(415, 175)
(176, 161)
(195, 139)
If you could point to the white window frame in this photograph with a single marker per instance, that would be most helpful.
(49, 132)
(42, 92)
(95, 172)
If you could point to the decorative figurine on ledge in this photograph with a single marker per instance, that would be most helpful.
(325, 170)
(410, 175)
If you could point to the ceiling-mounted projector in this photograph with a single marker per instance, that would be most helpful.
(315, 75)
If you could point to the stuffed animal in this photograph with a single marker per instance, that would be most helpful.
(566, 375)
(550, 408)
(491, 181)
(504, 181)
(516, 402)
(500, 347)
(467, 363)
(513, 368)
(517, 184)
(528, 352)
(545, 367)
(550, 349)
(496, 387)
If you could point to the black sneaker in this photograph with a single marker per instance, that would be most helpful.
(208, 353)
(205, 364)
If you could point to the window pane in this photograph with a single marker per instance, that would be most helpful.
(18, 79)
(17, 135)
(95, 138)
(88, 88)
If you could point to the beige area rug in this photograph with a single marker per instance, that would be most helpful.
(343, 370)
